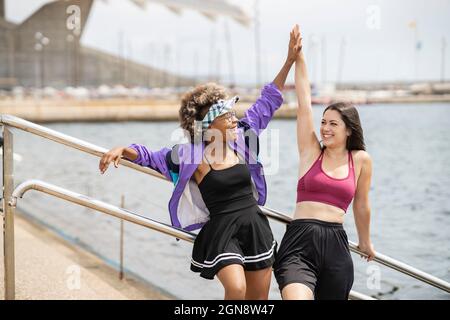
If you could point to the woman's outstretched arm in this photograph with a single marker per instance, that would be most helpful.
(293, 51)
(307, 141)
(159, 160)
(261, 112)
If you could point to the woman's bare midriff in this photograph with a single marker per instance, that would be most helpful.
(319, 211)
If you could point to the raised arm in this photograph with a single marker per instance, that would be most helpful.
(261, 112)
(308, 144)
(293, 51)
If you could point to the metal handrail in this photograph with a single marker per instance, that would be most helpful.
(98, 205)
(117, 212)
(69, 141)
(87, 147)
(379, 257)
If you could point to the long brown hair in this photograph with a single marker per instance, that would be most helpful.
(350, 116)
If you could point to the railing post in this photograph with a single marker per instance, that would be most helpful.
(122, 205)
(8, 218)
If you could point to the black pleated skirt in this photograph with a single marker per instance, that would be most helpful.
(242, 237)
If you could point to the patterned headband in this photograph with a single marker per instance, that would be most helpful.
(219, 108)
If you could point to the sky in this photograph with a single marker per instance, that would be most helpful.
(347, 40)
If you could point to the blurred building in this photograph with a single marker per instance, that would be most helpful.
(45, 49)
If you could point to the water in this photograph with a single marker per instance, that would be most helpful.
(410, 198)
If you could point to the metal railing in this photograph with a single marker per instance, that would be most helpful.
(380, 258)
(117, 212)
(10, 121)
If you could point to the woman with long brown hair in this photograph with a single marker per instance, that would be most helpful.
(313, 261)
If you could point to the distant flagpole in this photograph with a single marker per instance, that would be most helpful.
(257, 43)
(341, 61)
(230, 54)
(417, 46)
(324, 59)
(444, 46)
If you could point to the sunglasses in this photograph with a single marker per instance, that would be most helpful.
(228, 116)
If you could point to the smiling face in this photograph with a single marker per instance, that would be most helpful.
(226, 124)
(333, 130)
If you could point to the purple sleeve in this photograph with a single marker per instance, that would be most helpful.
(155, 160)
(261, 112)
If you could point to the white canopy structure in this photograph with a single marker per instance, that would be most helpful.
(209, 8)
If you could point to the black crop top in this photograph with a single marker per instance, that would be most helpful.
(227, 190)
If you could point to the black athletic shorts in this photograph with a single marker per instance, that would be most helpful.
(315, 253)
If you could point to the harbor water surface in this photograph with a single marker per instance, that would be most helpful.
(410, 197)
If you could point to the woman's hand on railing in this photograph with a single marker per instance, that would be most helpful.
(113, 155)
(368, 249)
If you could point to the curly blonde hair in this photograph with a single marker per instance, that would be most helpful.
(195, 104)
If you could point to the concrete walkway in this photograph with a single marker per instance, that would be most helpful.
(47, 267)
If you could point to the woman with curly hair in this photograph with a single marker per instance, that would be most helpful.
(219, 183)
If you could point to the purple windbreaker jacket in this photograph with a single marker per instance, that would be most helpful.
(186, 206)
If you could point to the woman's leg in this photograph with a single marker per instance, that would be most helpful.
(232, 278)
(258, 284)
(297, 291)
(336, 277)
